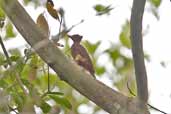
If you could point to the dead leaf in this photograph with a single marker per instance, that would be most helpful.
(53, 12)
(43, 25)
(50, 2)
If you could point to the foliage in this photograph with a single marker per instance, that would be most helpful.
(154, 7)
(29, 82)
(101, 9)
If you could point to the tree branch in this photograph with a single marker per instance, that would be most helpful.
(137, 49)
(105, 97)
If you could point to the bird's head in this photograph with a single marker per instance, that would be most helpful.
(76, 37)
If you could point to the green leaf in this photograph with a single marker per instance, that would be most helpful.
(41, 81)
(155, 12)
(45, 107)
(125, 35)
(3, 83)
(2, 14)
(15, 51)
(156, 3)
(91, 47)
(125, 40)
(14, 58)
(36, 2)
(113, 53)
(147, 57)
(20, 65)
(19, 99)
(9, 31)
(2, 18)
(27, 84)
(61, 100)
(100, 70)
(101, 9)
(2, 59)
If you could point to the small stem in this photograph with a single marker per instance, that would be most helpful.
(9, 62)
(13, 109)
(20, 83)
(60, 27)
(132, 93)
(48, 80)
(5, 51)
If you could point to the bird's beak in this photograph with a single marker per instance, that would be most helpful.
(69, 36)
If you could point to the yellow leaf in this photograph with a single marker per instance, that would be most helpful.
(43, 25)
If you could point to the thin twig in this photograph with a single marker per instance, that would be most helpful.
(132, 93)
(9, 62)
(156, 109)
(13, 109)
(20, 83)
(5, 51)
(48, 79)
(60, 27)
(64, 32)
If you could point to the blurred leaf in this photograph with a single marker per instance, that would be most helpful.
(27, 1)
(126, 67)
(45, 107)
(126, 85)
(125, 35)
(91, 47)
(9, 31)
(3, 83)
(19, 99)
(156, 3)
(14, 58)
(2, 14)
(41, 81)
(163, 64)
(132, 87)
(33, 67)
(113, 53)
(27, 84)
(100, 70)
(50, 8)
(101, 9)
(154, 8)
(147, 57)
(43, 25)
(15, 51)
(2, 59)
(19, 65)
(2, 18)
(62, 101)
(2, 22)
(155, 12)
(36, 2)
(51, 2)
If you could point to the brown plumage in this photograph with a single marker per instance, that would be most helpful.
(80, 54)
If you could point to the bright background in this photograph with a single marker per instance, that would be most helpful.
(107, 28)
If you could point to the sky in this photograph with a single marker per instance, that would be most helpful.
(107, 28)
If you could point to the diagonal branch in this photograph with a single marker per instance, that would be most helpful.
(105, 97)
(137, 49)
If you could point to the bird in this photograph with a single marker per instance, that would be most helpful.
(80, 54)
